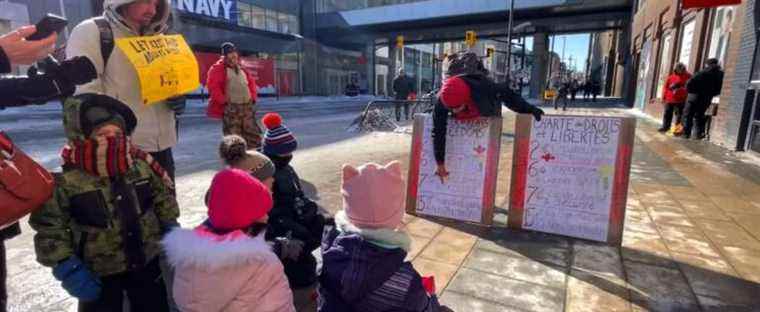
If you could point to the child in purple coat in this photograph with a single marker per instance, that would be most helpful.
(363, 256)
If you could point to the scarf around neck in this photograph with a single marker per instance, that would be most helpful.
(109, 157)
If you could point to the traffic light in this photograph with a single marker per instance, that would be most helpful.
(470, 38)
(490, 52)
(399, 41)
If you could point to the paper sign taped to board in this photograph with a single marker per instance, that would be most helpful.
(570, 176)
(165, 65)
(472, 155)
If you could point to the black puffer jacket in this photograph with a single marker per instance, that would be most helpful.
(706, 83)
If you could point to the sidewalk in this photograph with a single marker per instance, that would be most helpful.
(691, 242)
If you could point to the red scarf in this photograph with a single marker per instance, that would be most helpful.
(109, 157)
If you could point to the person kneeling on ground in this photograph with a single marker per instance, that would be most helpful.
(112, 203)
(468, 93)
(224, 264)
(295, 218)
(364, 267)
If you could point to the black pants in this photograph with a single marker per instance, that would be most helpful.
(694, 112)
(398, 110)
(3, 278)
(166, 159)
(670, 109)
(145, 290)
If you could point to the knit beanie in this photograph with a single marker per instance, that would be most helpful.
(373, 195)
(237, 200)
(278, 140)
(234, 152)
(228, 47)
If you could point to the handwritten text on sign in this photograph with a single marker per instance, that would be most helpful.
(570, 176)
(471, 151)
(165, 65)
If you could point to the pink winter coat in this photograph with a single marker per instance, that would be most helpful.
(233, 272)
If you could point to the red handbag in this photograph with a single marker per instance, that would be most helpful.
(24, 184)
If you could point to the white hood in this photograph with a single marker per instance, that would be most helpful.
(160, 21)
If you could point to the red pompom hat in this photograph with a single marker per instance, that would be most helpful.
(237, 200)
(278, 140)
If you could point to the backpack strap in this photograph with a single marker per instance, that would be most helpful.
(106, 39)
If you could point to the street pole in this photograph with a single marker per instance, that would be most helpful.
(509, 41)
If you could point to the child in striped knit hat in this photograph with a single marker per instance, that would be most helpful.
(294, 216)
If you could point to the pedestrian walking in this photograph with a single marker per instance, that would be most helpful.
(156, 132)
(224, 264)
(295, 219)
(233, 97)
(364, 254)
(403, 86)
(586, 90)
(596, 89)
(674, 96)
(564, 90)
(701, 88)
(468, 93)
(112, 203)
(574, 86)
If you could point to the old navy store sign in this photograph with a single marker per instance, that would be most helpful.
(225, 10)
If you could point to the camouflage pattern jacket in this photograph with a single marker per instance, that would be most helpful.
(83, 218)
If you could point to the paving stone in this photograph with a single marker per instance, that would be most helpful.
(456, 238)
(724, 233)
(443, 272)
(550, 249)
(587, 291)
(505, 291)
(658, 288)
(460, 302)
(597, 258)
(646, 248)
(746, 262)
(423, 227)
(518, 268)
(703, 209)
(667, 216)
(687, 240)
(418, 244)
(438, 251)
(716, 284)
(748, 222)
(735, 204)
(686, 192)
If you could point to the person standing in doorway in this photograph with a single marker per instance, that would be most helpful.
(156, 132)
(402, 87)
(233, 97)
(675, 96)
(705, 85)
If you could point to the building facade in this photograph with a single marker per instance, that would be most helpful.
(663, 34)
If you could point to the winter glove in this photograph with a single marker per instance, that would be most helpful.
(288, 248)
(537, 112)
(77, 280)
(177, 104)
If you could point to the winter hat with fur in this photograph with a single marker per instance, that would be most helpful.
(278, 140)
(237, 200)
(234, 151)
(373, 195)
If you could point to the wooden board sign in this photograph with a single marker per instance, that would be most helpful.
(570, 176)
(472, 159)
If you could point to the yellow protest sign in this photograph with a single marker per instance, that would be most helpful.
(165, 65)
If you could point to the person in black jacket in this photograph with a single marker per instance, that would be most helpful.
(705, 85)
(18, 91)
(402, 87)
(469, 93)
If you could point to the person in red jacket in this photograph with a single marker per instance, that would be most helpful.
(233, 97)
(675, 96)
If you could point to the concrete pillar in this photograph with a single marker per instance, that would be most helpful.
(540, 64)
(371, 75)
(395, 63)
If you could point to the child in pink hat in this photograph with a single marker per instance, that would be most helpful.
(364, 267)
(225, 264)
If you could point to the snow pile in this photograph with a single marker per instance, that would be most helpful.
(373, 120)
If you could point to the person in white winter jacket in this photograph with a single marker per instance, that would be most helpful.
(156, 132)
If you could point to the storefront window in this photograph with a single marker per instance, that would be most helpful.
(244, 14)
(687, 38)
(259, 17)
(294, 29)
(272, 20)
(721, 32)
(283, 23)
(643, 76)
(667, 41)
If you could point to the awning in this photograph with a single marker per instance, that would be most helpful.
(695, 4)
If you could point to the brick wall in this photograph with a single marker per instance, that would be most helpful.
(738, 67)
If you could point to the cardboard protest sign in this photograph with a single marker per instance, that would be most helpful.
(165, 65)
(472, 158)
(570, 176)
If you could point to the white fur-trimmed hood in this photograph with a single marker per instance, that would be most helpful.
(186, 247)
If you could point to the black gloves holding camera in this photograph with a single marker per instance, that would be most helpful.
(56, 80)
